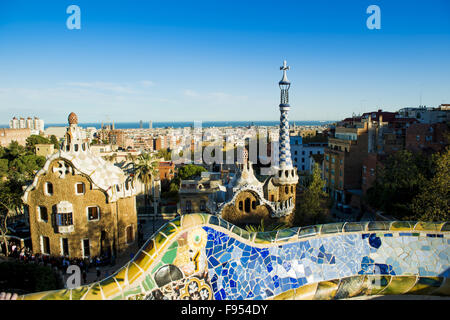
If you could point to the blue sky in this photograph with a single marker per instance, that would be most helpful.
(219, 60)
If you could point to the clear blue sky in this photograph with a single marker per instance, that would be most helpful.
(219, 60)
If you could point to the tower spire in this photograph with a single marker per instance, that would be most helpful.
(285, 147)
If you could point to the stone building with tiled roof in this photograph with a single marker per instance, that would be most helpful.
(79, 204)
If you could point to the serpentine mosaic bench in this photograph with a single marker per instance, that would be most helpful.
(199, 256)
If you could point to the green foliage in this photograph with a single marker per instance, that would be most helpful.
(312, 203)
(145, 169)
(28, 277)
(35, 139)
(164, 153)
(262, 228)
(20, 163)
(432, 201)
(190, 171)
(404, 174)
(54, 140)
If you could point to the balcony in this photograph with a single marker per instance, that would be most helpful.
(66, 229)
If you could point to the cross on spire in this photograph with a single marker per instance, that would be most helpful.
(284, 67)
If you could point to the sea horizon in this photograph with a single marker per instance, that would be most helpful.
(183, 124)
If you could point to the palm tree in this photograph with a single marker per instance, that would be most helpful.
(145, 169)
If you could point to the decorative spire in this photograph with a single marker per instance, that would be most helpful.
(73, 119)
(285, 148)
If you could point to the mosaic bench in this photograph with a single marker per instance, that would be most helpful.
(200, 256)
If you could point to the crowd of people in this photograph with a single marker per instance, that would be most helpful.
(59, 263)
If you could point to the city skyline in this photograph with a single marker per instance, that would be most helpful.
(175, 63)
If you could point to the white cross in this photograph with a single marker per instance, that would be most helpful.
(285, 66)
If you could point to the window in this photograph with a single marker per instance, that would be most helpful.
(303, 160)
(76, 147)
(364, 169)
(363, 180)
(332, 160)
(310, 153)
(292, 189)
(241, 205)
(303, 153)
(303, 168)
(64, 219)
(418, 138)
(79, 188)
(45, 245)
(129, 234)
(295, 152)
(86, 248)
(48, 188)
(202, 205)
(65, 246)
(271, 197)
(93, 213)
(247, 205)
(253, 205)
(372, 171)
(286, 189)
(188, 206)
(295, 160)
(43, 214)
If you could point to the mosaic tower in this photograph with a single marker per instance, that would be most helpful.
(285, 148)
(285, 174)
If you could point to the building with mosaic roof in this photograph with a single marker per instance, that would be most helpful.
(80, 205)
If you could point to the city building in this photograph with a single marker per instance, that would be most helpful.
(80, 205)
(302, 152)
(166, 170)
(423, 114)
(9, 135)
(428, 137)
(44, 150)
(36, 125)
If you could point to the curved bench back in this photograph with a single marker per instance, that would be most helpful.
(200, 256)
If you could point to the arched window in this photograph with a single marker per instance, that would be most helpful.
(48, 188)
(253, 205)
(247, 205)
(286, 189)
(241, 206)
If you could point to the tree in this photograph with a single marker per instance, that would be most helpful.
(190, 171)
(311, 205)
(398, 182)
(432, 202)
(164, 153)
(10, 201)
(35, 139)
(54, 140)
(145, 169)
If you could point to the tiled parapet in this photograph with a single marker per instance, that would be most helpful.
(199, 256)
